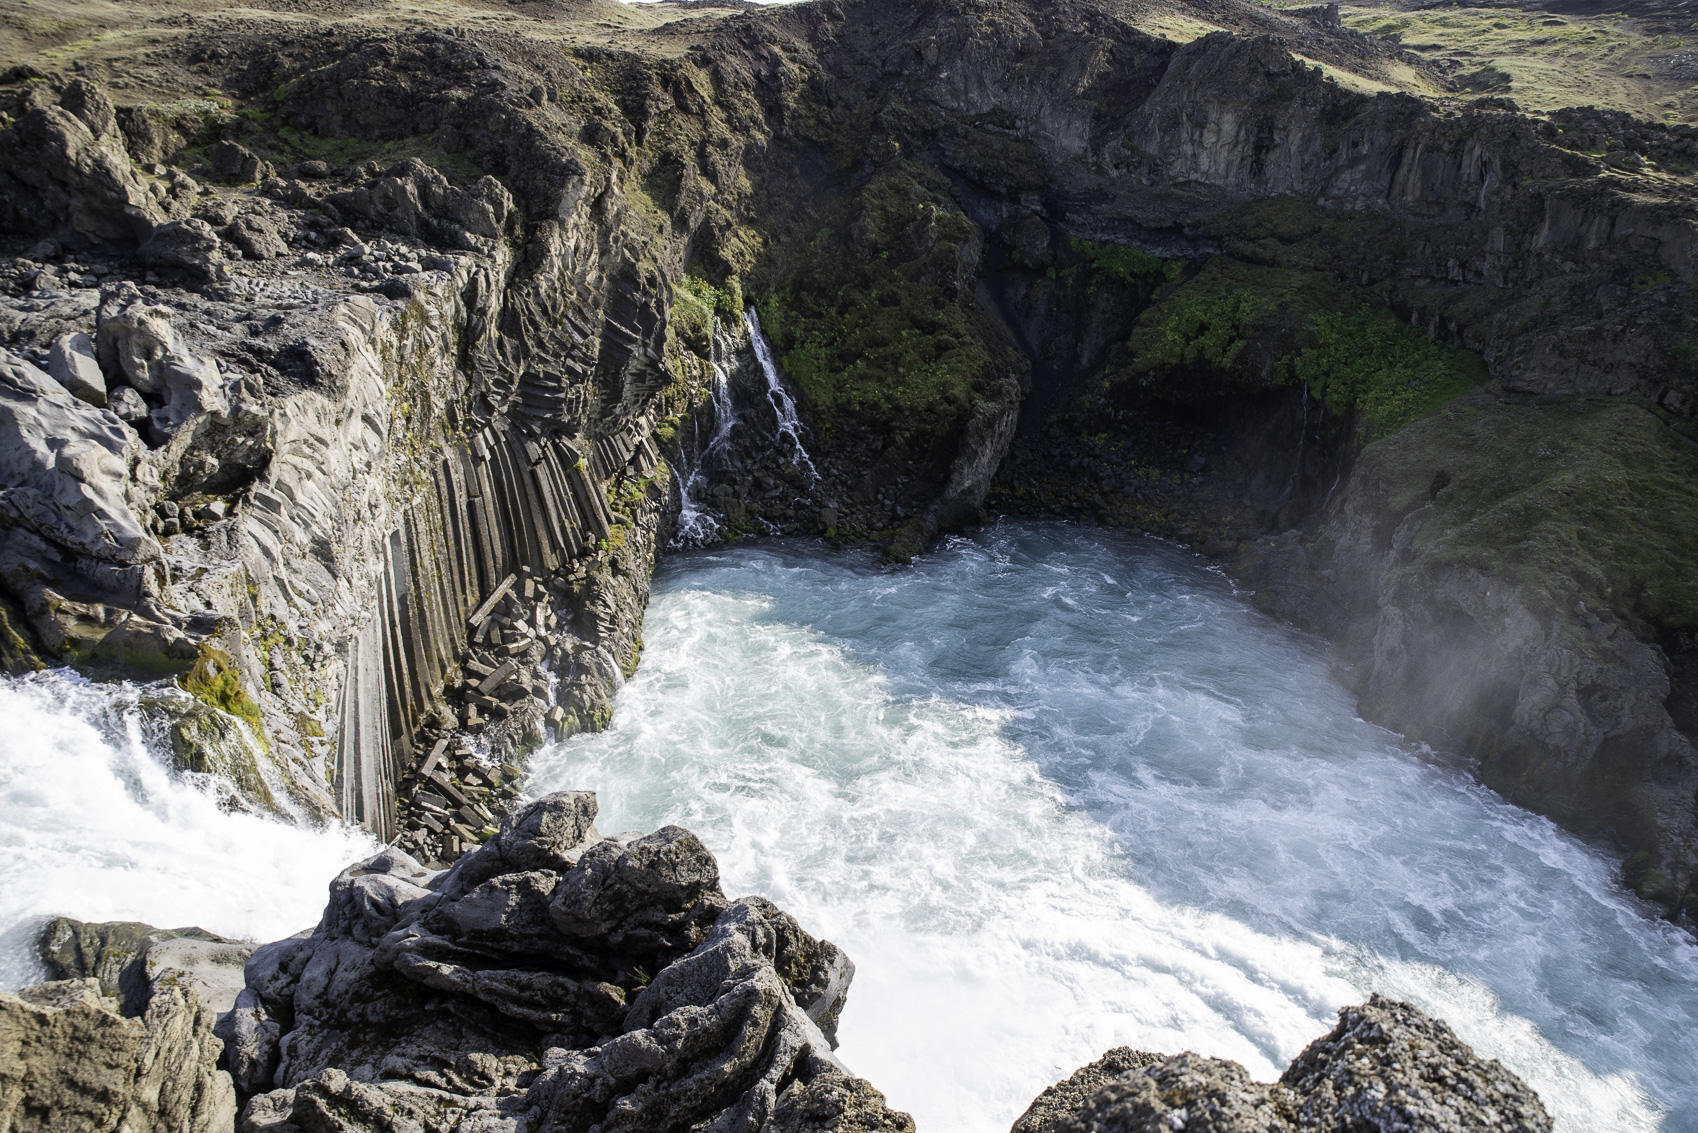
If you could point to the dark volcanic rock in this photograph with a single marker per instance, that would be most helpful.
(551, 980)
(1388, 1066)
(1069, 1095)
(1385, 1067)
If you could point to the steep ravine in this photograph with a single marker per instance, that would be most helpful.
(345, 375)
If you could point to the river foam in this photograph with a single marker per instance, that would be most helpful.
(95, 825)
(1057, 790)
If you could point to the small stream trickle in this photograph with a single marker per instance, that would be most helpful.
(1056, 789)
(696, 526)
(783, 405)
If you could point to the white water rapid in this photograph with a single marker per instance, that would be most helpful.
(94, 825)
(783, 405)
(1057, 790)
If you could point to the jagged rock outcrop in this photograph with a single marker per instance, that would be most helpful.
(133, 961)
(553, 979)
(1386, 1066)
(70, 1063)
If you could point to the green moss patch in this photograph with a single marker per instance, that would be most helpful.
(871, 325)
(1258, 327)
(1123, 264)
(1388, 371)
(1588, 499)
(214, 680)
(695, 305)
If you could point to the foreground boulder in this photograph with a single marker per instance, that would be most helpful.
(552, 980)
(1385, 1067)
(71, 1063)
(132, 961)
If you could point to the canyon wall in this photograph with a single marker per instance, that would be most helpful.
(406, 324)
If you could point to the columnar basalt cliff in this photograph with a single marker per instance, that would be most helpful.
(348, 367)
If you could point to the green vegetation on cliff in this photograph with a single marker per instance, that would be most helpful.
(1586, 498)
(1391, 373)
(695, 305)
(872, 323)
(1258, 327)
(215, 681)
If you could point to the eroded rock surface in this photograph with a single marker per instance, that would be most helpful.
(1386, 1067)
(553, 979)
(73, 1064)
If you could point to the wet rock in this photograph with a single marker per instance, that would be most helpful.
(579, 979)
(73, 365)
(1386, 1066)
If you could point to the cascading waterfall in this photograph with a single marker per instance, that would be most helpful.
(1057, 790)
(95, 825)
(783, 405)
(696, 526)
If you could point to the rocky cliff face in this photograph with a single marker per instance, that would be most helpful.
(1230, 277)
(344, 375)
(309, 468)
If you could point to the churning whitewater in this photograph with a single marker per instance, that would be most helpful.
(1057, 790)
(94, 825)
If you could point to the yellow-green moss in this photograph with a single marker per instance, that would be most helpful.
(214, 680)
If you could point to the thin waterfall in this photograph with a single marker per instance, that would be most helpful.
(695, 525)
(1302, 435)
(783, 405)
